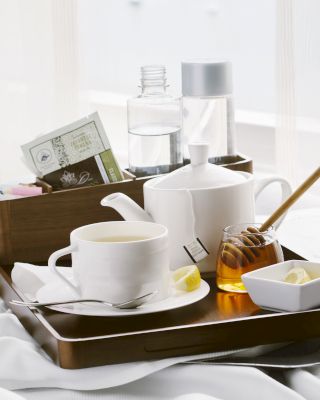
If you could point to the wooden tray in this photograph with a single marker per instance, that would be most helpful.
(221, 321)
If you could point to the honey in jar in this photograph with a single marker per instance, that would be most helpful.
(242, 251)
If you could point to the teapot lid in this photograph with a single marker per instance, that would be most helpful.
(199, 174)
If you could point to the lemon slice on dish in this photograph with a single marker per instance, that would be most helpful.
(187, 278)
(297, 275)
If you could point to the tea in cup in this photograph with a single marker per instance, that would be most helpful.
(117, 261)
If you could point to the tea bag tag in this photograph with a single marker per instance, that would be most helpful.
(196, 250)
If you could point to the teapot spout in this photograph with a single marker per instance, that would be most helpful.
(126, 207)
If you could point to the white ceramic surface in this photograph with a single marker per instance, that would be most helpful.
(267, 289)
(176, 299)
(117, 271)
(199, 174)
(198, 200)
(201, 213)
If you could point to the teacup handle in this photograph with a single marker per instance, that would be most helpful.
(53, 268)
(286, 189)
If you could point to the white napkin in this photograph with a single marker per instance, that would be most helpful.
(30, 279)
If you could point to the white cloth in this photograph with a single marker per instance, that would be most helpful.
(7, 395)
(23, 365)
(185, 382)
(26, 368)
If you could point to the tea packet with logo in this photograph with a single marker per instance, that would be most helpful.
(78, 154)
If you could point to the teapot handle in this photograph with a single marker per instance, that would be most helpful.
(286, 190)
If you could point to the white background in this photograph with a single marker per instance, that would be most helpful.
(63, 59)
(118, 36)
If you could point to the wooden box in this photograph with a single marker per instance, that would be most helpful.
(34, 227)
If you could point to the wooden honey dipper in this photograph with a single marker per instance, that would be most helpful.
(242, 249)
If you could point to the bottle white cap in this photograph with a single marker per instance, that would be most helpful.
(206, 77)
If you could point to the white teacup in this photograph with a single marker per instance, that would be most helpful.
(117, 261)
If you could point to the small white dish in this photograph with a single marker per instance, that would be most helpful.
(177, 299)
(267, 288)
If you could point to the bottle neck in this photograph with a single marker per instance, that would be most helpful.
(153, 90)
(153, 80)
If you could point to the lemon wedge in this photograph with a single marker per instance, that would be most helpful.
(187, 278)
(297, 275)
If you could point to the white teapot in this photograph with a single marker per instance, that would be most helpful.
(196, 201)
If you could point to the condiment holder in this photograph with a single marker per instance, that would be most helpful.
(267, 288)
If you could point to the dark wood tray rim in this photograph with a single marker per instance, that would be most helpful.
(79, 342)
(42, 319)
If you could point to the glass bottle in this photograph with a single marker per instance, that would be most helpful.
(154, 126)
(208, 111)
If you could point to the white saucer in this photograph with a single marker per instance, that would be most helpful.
(176, 300)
